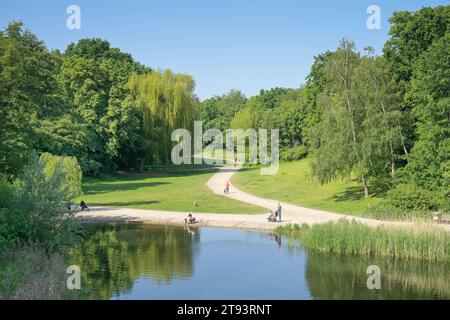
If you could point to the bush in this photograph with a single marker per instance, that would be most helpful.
(71, 185)
(6, 195)
(36, 213)
(386, 211)
(411, 197)
(7, 237)
(295, 153)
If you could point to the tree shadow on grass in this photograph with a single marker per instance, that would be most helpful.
(356, 193)
(100, 188)
(128, 176)
(123, 204)
(104, 221)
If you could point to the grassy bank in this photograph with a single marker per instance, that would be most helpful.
(422, 241)
(293, 184)
(30, 273)
(162, 188)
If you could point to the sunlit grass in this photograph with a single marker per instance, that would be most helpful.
(293, 183)
(162, 188)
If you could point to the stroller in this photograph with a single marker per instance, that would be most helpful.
(273, 216)
(83, 206)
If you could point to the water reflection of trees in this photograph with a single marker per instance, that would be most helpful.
(113, 257)
(335, 277)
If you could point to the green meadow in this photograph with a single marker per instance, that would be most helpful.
(162, 188)
(293, 183)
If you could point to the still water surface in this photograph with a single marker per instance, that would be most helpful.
(164, 262)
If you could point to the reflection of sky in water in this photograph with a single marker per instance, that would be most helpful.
(233, 264)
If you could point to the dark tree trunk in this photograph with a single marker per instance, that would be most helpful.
(143, 162)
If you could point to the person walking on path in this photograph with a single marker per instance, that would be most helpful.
(227, 186)
(279, 212)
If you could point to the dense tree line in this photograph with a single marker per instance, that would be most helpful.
(381, 118)
(90, 110)
(384, 119)
(86, 102)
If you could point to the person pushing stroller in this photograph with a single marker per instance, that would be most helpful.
(275, 216)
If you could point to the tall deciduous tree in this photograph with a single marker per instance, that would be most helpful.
(166, 102)
(429, 165)
(411, 34)
(27, 90)
(383, 140)
(94, 77)
(219, 111)
(359, 129)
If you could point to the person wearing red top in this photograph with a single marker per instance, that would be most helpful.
(227, 187)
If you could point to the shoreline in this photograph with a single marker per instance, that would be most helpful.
(221, 220)
(140, 216)
(291, 214)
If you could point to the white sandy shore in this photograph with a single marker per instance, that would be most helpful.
(290, 213)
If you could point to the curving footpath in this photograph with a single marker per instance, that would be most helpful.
(290, 213)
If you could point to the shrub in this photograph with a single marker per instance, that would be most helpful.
(6, 196)
(386, 211)
(36, 213)
(295, 153)
(5, 193)
(71, 185)
(411, 197)
(6, 237)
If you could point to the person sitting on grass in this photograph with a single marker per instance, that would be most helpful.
(83, 206)
(190, 219)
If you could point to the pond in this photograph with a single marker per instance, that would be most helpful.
(129, 261)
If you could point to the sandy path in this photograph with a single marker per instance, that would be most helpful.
(290, 213)
(241, 221)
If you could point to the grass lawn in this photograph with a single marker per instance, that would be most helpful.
(164, 188)
(294, 184)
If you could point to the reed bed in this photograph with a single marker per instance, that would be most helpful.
(420, 241)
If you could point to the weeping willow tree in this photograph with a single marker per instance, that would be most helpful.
(166, 102)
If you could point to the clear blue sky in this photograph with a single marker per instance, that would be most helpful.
(223, 44)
